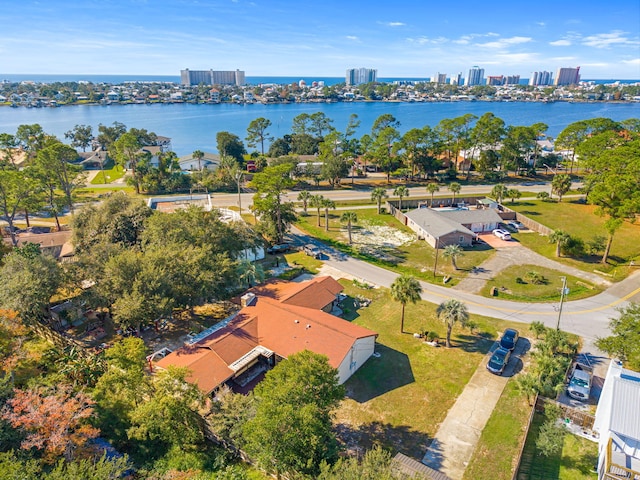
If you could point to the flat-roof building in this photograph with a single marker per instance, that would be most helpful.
(568, 76)
(357, 76)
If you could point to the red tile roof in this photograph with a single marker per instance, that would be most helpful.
(276, 324)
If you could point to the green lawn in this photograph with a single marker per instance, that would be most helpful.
(108, 176)
(499, 445)
(399, 399)
(510, 289)
(576, 461)
(415, 257)
(580, 220)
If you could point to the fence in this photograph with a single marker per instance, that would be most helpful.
(508, 214)
(524, 439)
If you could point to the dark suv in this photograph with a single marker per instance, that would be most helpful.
(279, 248)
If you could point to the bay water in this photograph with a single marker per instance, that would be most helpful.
(194, 127)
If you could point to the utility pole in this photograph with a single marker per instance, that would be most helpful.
(435, 264)
(563, 292)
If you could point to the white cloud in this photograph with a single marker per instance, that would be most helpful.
(352, 38)
(428, 41)
(606, 40)
(395, 24)
(541, 24)
(466, 39)
(505, 42)
(560, 43)
(633, 61)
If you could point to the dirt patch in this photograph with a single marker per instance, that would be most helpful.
(379, 236)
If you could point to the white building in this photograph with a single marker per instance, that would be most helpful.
(357, 76)
(618, 423)
(475, 77)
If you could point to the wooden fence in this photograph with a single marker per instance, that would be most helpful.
(524, 440)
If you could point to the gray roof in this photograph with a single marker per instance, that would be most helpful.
(413, 469)
(435, 223)
(625, 411)
(466, 217)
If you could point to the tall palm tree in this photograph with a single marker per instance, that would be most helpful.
(250, 273)
(452, 252)
(499, 191)
(560, 238)
(304, 196)
(560, 185)
(316, 202)
(433, 188)
(377, 195)
(405, 289)
(198, 155)
(401, 191)
(455, 188)
(349, 218)
(327, 203)
(450, 312)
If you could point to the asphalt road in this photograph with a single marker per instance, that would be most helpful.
(588, 318)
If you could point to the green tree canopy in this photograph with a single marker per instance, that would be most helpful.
(624, 343)
(405, 289)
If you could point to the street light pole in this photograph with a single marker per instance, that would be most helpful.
(563, 292)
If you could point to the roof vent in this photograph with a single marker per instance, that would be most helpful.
(296, 321)
(308, 325)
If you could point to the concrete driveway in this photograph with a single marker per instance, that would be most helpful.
(458, 435)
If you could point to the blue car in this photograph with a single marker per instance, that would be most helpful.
(498, 361)
(509, 339)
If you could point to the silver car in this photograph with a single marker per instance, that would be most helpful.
(579, 385)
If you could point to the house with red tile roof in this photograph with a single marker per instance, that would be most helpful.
(277, 320)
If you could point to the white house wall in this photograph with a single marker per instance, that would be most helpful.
(360, 352)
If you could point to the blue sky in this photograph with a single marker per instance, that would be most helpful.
(414, 38)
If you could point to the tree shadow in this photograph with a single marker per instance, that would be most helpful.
(404, 438)
(530, 213)
(380, 374)
(433, 457)
(473, 343)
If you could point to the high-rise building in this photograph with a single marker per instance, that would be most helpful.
(475, 77)
(456, 79)
(495, 80)
(212, 77)
(568, 76)
(541, 78)
(356, 76)
(439, 78)
(512, 80)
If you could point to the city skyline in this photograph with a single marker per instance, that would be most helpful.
(283, 38)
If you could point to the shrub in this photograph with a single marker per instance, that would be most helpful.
(520, 281)
(536, 278)
(544, 196)
(432, 336)
(573, 247)
(596, 245)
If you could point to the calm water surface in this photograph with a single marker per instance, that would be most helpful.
(194, 127)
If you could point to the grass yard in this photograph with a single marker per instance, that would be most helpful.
(108, 176)
(509, 288)
(499, 444)
(579, 220)
(384, 241)
(576, 461)
(399, 399)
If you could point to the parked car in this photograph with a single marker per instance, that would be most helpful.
(502, 234)
(312, 251)
(498, 361)
(509, 339)
(517, 225)
(507, 227)
(580, 384)
(279, 248)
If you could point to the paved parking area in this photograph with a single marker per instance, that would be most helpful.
(458, 435)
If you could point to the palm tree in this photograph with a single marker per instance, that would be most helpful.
(377, 195)
(561, 238)
(514, 194)
(560, 185)
(455, 188)
(327, 203)
(304, 196)
(250, 273)
(452, 252)
(316, 202)
(349, 218)
(432, 188)
(450, 312)
(401, 191)
(405, 289)
(198, 155)
(499, 191)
